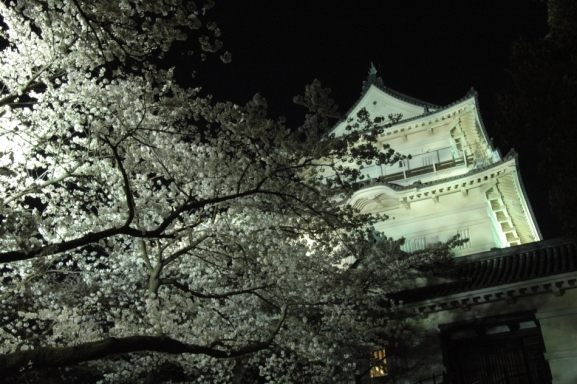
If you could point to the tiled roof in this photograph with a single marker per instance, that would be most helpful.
(500, 267)
(418, 184)
(378, 82)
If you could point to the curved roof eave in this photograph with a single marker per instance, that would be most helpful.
(514, 154)
(377, 82)
(418, 184)
(474, 93)
(473, 273)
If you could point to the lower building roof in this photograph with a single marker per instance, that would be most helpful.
(499, 267)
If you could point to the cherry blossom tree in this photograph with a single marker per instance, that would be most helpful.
(145, 228)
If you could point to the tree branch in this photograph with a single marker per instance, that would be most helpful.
(34, 188)
(9, 292)
(186, 289)
(126, 186)
(242, 175)
(94, 237)
(48, 357)
(87, 19)
(145, 256)
(184, 250)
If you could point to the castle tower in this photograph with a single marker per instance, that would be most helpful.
(511, 293)
(455, 182)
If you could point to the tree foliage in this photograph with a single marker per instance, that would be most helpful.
(145, 228)
(539, 107)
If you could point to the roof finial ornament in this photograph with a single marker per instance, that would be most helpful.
(372, 79)
(372, 69)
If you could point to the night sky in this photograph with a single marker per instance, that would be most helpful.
(431, 50)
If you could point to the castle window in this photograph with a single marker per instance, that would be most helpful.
(380, 367)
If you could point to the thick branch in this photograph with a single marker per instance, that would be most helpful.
(185, 288)
(47, 357)
(145, 256)
(94, 237)
(90, 238)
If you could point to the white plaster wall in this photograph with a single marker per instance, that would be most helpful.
(439, 221)
(379, 103)
(419, 142)
(415, 144)
(559, 328)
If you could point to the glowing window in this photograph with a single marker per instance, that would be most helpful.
(380, 368)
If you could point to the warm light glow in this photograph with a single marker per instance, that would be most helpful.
(380, 370)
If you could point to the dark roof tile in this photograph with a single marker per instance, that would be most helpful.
(500, 267)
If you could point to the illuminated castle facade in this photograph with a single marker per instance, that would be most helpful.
(511, 312)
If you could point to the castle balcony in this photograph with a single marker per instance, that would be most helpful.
(430, 162)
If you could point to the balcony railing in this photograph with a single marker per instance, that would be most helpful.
(421, 164)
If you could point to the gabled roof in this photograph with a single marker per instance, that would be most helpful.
(378, 82)
(499, 267)
(374, 82)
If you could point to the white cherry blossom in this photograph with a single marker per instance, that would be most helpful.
(145, 228)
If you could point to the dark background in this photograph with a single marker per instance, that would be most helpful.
(431, 50)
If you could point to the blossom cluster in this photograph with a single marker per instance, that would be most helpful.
(134, 209)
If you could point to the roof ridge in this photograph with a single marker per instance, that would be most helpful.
(377, 81)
